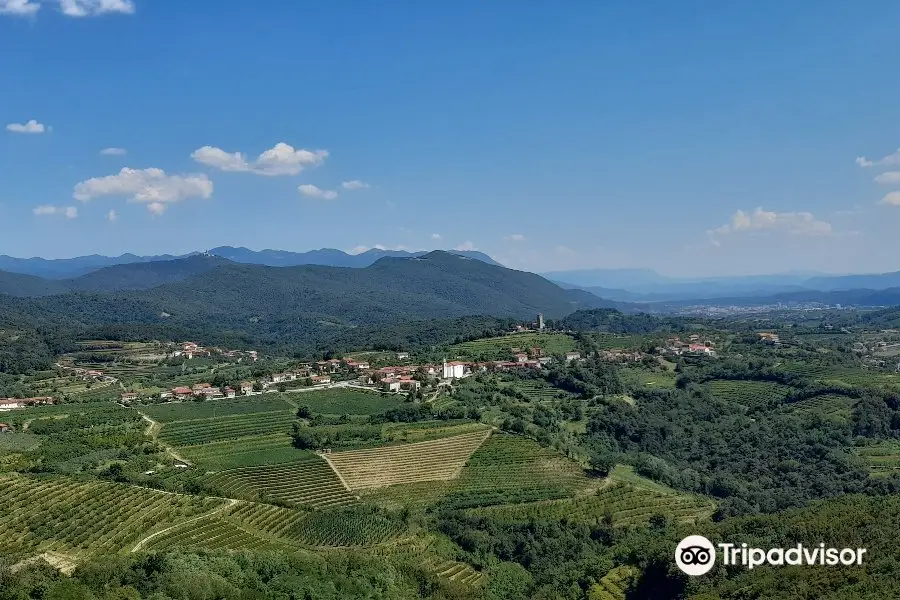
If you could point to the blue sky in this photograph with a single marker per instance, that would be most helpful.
(693, 137)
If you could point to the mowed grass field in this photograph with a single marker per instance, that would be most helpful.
(490, 348)
(514, 469)
(85, 518)
(341, 401)
(627, 499)
(436, 460)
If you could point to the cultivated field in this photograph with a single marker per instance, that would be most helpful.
(244, 452)
(628, 499)
(612, 586)
(883, 459)
(41, 514)
(308, 482)
(339, 401)
(512, 469)
(187, 411)
(748, 394)
(833, 406)
(204, 431)
(492, 348)
(536, 390)
(410, 463)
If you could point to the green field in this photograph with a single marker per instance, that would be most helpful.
(18, 442)
(494, 348)
(536, 390)
(627, 499)
(340, 401)
(748, 394)
(512, 469)
(833, 406)
(41, 514)
(204, 431)
(883, 459)
(243, 452)
(613, 585)
(309, 482)
(635, 377)
(186, 411)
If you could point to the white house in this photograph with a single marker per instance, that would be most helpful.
(453, 370)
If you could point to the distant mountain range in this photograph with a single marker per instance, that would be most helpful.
(643, 285)
(205, 290)
(70, 268)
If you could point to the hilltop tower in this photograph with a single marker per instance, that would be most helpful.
(540, 322)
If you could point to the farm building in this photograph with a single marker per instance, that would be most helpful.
(199, 387)
(454, 370)
(229, 392)
(320, 379)
(246, 387)
(570, 356)
(182, 393)
(4, 428)
(10, 404)
(403, 356)
(128, 397)
(165, 395)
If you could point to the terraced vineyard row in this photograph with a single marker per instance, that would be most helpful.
(452, 570)
(625, 504)
(210, 533)
(536, 391)
(748, 393)
(612, 586)
(95, 517)
(204, 431)
(423, 461)
(307, 482)
(513, 469)
(883, 459)
(354, 526)
(243, 452)
(831, 405)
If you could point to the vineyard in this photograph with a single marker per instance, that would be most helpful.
(212, 533)
(612, 586)
(883, 459)
(513, 469)
(41, 514)
(493, 348)
(352, 526)
(392, 465)
(833, 406)
(428, 430)
(308, 482)
(204, 431)
(748, 394)
(243, 452)
(627, 500)
(187, 411)
(341, 401)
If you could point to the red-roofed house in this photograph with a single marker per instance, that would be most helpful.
(182, 392)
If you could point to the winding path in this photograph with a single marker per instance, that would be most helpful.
(140, 544)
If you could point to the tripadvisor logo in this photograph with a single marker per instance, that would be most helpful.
(696, 555)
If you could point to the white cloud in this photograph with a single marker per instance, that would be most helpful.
(355, 184)
(795, 223)
(150, 186)
(436, 236)
(379, 247)
(887, 161)
(114, 152)
(515, 237)
(891, 199)
(889, 178)
(281, 159)
(87, 8)
(31, 126)
(18, 7)
(111, 216)
(358, 249)
(308, 189)
(69, 212)
(467, 245)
